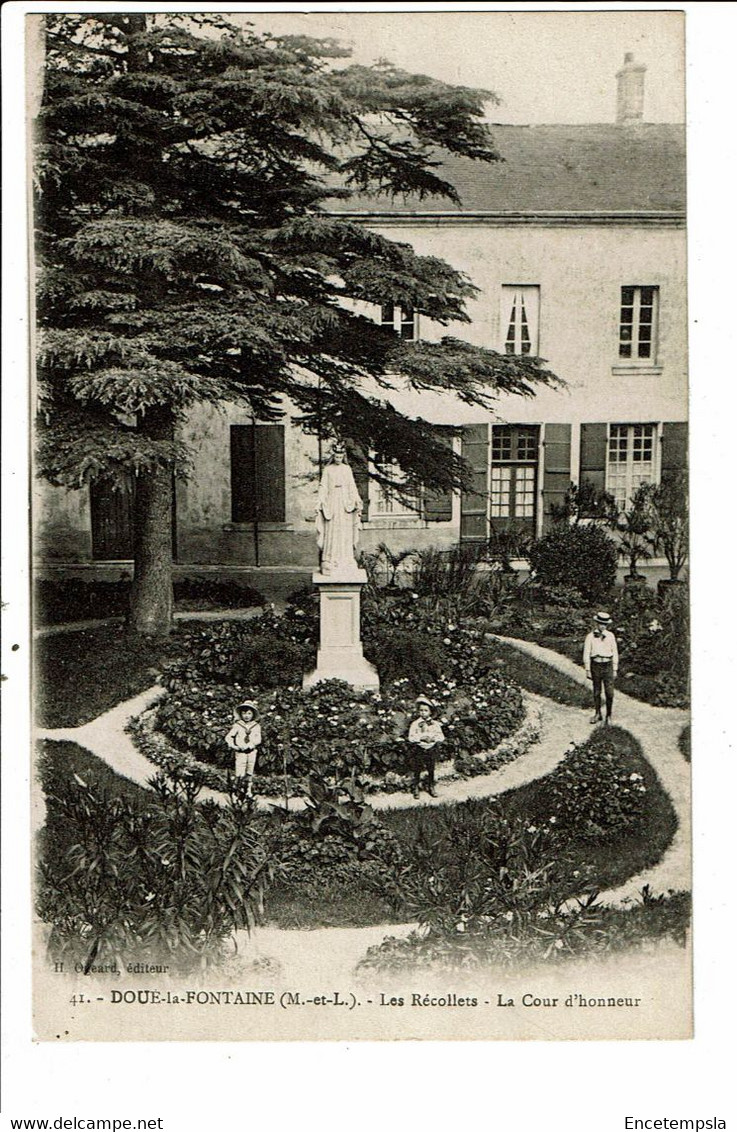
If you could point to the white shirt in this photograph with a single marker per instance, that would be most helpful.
(244, 736)
(426, 732)
(600, 645)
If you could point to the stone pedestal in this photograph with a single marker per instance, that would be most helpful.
(340, 656)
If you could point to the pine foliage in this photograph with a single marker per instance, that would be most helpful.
(183, 171)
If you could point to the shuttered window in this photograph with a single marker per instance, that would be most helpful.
(504, 465)
(257, 474)
(387, 501)
(514, 451)
(631, 455)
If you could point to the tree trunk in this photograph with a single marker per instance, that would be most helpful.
(152, 592)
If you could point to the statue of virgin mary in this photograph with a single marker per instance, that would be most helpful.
(338, 515)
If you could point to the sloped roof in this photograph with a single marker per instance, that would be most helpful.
(559, 169)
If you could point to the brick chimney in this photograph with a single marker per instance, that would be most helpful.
(630, 91)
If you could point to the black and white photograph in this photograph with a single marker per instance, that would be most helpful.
(360, 525)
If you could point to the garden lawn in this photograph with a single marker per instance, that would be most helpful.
(536, 676)
(81, 674)
(61, 760)
(340, 906)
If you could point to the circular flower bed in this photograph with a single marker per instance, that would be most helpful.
(333, 730)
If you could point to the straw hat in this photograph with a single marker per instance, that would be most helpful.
(602, 618)
(248, 705)
(424, 700)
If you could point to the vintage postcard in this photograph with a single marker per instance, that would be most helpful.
(360, 525)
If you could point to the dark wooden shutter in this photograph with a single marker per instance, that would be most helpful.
(674, 452)
(111, 519)
(592, 467)
(556, 468)
(358, 461)
(438, 505)
(474, 503)
(257, 480)
(242, 474)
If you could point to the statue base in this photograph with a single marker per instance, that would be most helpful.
(340, 656)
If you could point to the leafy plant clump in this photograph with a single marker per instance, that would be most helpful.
(595, 793)
(336, 841)
(582, 928)
(167, 877)
(584, 557)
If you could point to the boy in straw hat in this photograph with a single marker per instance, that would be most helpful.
(244, 738)
(601, 659)
(425, 733)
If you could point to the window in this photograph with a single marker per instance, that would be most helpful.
(638, 324)
(513, 471)
(520, 319)
(257, 485)
(387, 502)
(630, 460)
(402, 320)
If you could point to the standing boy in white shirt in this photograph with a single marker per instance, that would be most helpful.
(425, 733)
(244, 738)
(601, 660)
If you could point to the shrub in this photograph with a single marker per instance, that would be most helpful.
(266, 652)
(71, 599)
(405, 652)
(583, 928)
(207, 592)
(653, 638)
(669, 521)
(459, 583)
(438, 573)
(582, 556)
(594, 793)
(165, 878)
(476, 867)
